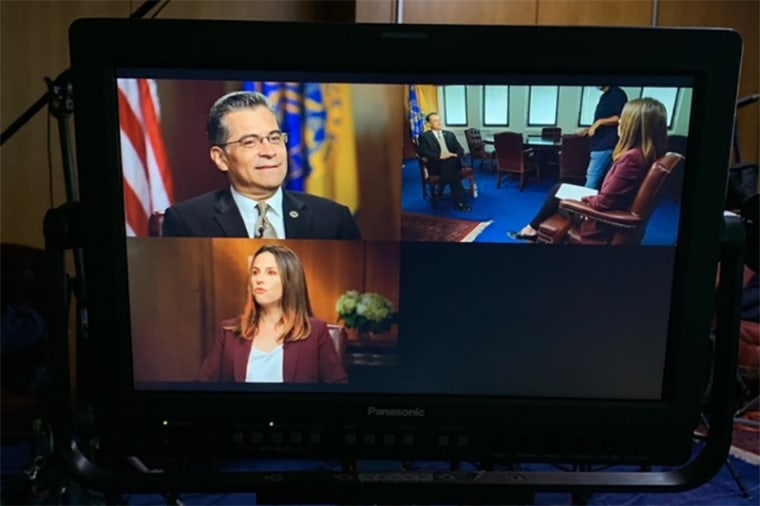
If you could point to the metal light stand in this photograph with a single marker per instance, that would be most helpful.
(58, 224)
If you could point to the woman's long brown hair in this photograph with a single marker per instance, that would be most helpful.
(295, 303)
(643, 125)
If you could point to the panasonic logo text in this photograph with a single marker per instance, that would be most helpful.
(413, 412)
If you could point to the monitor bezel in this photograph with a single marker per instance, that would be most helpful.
(100, 47)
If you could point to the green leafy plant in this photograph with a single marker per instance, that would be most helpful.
(366, 312)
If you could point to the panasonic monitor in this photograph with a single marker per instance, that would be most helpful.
(283, 259)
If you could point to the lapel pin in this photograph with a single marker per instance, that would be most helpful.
(293, 214)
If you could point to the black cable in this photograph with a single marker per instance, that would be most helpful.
(160, 8)
(144, 9)
(50, 163)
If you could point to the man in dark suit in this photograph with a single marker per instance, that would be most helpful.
(247, 144)
(444, 154)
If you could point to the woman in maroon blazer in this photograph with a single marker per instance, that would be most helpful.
(275, 340)
(643, 137)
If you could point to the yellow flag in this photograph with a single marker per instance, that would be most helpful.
(427, 96)
(334, 171)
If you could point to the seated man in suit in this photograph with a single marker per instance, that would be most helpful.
(444, 154)
(247, 144)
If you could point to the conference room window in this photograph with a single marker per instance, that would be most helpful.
(589, 99)
(542, 105)
(495, 105)
(668, 97)
(455, 105)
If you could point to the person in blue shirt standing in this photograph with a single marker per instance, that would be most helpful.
(604, 134)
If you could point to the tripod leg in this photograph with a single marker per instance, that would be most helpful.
(729, 465)
(748, 405)
(737, 479)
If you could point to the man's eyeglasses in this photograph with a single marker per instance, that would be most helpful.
(255, 142)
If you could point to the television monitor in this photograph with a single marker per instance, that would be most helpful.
(437, 333)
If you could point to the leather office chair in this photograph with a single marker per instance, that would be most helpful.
(430, 182)
(676, 144)
(553, 133)
(621, 226)
(513, 158)
(477, 147)
(339, 337)
(574, 158)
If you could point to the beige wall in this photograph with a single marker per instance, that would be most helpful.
(569, 102)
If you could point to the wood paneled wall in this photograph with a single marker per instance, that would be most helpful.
(34, 44)
(171, 295)
(740, 15)
(261, 10)
(744, 17)
(180, 289)
(376, 11)
(184, 111)
(594, 12)
(470, 12)
(378, 121)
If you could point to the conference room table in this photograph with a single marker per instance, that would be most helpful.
(533, 141)
(546, 149)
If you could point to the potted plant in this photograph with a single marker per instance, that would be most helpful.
(368, 313)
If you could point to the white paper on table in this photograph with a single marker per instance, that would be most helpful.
(574, 192)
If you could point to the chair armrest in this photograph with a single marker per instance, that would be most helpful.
(622, 219)
(423, 166)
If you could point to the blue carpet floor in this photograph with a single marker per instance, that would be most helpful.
(511, 209)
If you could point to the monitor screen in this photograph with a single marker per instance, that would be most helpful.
(447, 300)
(401, 247)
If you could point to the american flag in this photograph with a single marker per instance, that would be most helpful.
(145, 166)
(416, 118)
